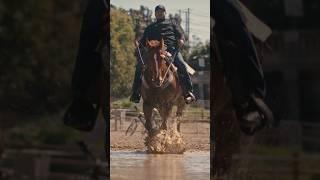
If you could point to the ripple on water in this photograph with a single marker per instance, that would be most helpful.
(140, 165)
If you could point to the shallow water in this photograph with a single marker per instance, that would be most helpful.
(142, 166)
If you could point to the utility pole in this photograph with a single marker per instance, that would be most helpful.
(187, 23)
(186, 14)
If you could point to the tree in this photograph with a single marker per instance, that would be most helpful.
(200, 52)
(38, 46)
(122, 60)
(39, 41)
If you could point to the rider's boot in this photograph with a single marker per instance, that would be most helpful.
(189, 97)
(254, 115)
(184, 79)
(186, 83)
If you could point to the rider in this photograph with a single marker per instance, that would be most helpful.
(82, 113)
(88, 60)
(241, 64)
(173, 39)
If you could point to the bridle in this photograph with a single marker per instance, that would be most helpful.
(163, 54)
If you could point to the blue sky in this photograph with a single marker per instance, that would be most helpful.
(199, 12)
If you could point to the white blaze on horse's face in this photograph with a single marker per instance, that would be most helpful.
(158, 75)
(155, 67)
(156, 55)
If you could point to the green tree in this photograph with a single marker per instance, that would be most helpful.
(200, 52)
(122, 59)
(38, 46)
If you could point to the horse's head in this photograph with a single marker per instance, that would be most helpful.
(156, 65)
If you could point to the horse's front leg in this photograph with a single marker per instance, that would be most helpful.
(180, 107)
(165, 112)
(147, 110)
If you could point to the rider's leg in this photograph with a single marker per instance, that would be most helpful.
(242, 66)
(184, 78)
(88, 61)
(135, 97)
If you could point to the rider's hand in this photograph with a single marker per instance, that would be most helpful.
(180, 43)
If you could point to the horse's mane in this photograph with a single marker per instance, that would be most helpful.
(155, 44)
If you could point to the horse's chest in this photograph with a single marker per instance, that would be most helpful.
(159, 96)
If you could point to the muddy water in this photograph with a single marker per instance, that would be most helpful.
(141, 166)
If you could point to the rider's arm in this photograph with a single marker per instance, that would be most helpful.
(179, 35)
(144, 37)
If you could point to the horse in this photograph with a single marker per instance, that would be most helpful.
(160, 87)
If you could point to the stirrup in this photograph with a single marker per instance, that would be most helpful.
(256, 116)
(250, 122)
(189, 98)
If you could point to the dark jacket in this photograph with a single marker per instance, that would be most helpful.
(166, 29)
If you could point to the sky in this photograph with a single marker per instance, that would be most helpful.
(199, 13)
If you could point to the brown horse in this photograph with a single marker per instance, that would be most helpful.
(160, 87)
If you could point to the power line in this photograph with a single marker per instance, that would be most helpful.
(195, 26)
(200, 27)
(200, 12)
(199, 15)
(200, 19)
(199, 24)
(188, 22)
(200, 30)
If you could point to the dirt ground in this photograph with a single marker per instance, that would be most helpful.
(196, 137)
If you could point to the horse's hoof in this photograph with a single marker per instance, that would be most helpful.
(153, 132)
(254, 116)
(165, 142)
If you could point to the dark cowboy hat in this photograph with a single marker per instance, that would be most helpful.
(160, 7)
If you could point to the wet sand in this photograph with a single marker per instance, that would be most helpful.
(196, 137)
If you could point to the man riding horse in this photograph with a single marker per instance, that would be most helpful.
(86, 73)
(242, 66)
(173, 38)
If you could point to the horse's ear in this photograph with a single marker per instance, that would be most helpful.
(162, 44)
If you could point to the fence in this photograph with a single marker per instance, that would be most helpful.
(292, 167)
(121, 118)
(51, 163)
(310, 136)
(280, 154)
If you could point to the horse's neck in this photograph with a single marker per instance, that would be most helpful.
(172, 78)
